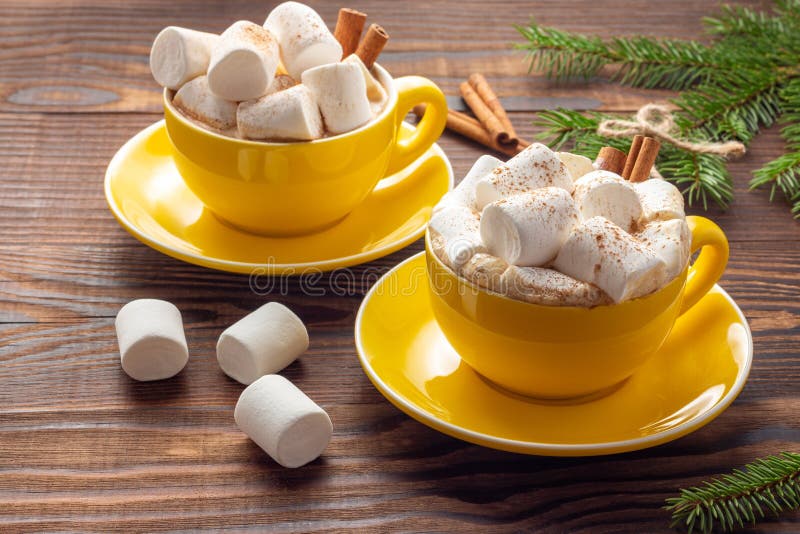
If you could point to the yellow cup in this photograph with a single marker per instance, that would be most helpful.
(298, 188)
(563, 352)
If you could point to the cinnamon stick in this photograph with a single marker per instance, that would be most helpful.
(610, 159)
(472, 129)
(645, 160)
(487, 94)
(372, 45)
(488, 119)
(633, 153)
(348, 29)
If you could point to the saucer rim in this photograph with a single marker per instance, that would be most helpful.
(548, 449)
(246, 267)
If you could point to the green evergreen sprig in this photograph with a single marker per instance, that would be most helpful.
(746, 79)
(768, 485)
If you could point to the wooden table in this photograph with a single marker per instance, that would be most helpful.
(83, 447)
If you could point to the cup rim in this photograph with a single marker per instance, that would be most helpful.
(680, 279)
(384, 78)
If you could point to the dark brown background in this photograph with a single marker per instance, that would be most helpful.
(82, 447)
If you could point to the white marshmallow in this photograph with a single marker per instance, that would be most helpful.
(660, 200)
(671, 241)
(576, 164)
(244, 62)
(455, 235)
(291, 114)
(486, 271)
(529, 228)
(341, 93)
(605, 194)
(281, 82)
(549, 287)
(179, 55)
(601, 253)
(261, 343)
(535, 167)
(305, 40)
(152, 344)
(283, 421)
(197, 101)
(464, 192)
(375, 91)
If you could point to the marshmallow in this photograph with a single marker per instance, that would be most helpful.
(375, 91)
(304, 39)
(671, 241)
(601, 253)
(261, 343)
(548, 287)
(291, 114)
(197, 101)
(455, 235)
(605, 194)
(486, 271)
(660, 200)
(179, 55)
(341, 93)
(281, 82)
(152, 344)
(535, 167)
(243, 63)
(528, 228)
(464, 192)
(576, 164)
(283, 421)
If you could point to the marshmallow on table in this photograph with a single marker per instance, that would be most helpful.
(152, 344)
(197, 101)
(464, 192)
(605, 194)
(535, 167)
(485, 270)
(528, 229)
(305, 40)
(576, 164)
(261, 343)
(243, 62)
(291, 114)
(283, 421)
(601, 253)
(375, 91)
(549, 287)
(671, 241)
(455, 237)
(341, 93)
(660, 200)
(179, 55)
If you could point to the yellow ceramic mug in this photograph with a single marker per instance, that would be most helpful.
(561, 351)
(297, 188)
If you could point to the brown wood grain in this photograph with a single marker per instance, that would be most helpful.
(84, 448)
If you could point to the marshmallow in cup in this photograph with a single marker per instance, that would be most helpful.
(660, 200)
(243, 62)
(606, 194)
(179, 55)
(305, 41)
(671, 241)
(196, 100)
(455, 237)
(535, 167)
(341, 93)
(290, 114)
(464, 193)
(576, 164)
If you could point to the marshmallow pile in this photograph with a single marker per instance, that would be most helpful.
(284, 80)
(548, 228)
(272, 411)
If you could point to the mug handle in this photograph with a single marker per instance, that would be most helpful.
(413, 90)
(710, 263)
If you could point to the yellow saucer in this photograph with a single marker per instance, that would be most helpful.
(698, 372)
(150, 200)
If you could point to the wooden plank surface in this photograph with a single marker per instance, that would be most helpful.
(83, 448)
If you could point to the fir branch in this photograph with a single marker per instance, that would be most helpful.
(738, 20)
(743, 496)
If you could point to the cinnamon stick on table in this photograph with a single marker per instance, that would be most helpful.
(472, 129)
(610, 159)
(645, 159)
(487, 94)
(488, 119)
(348, 30)
(372, 45)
